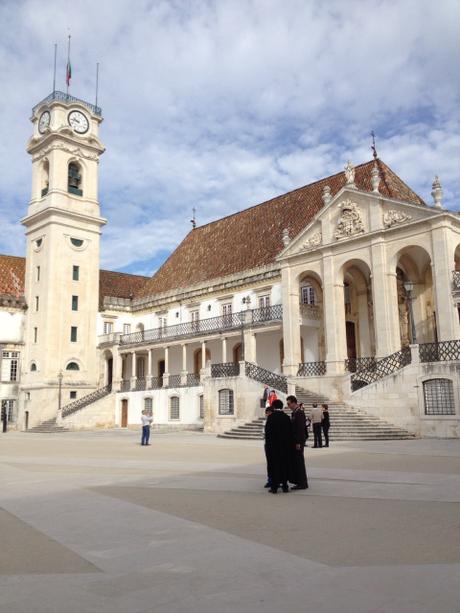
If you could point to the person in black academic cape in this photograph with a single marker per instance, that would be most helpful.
(326, 423)
(277, 447)
(298, 473)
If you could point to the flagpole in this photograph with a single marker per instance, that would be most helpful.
(97, 81)
(68, 66)
(54, 72)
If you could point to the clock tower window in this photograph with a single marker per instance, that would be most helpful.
(74, 179)
(45, 176)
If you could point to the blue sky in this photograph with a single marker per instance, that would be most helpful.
(222, 104)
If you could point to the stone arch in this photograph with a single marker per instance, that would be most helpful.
(75, 176)
(413, 265)
(108, 367)
(312, 338)
(355, 274)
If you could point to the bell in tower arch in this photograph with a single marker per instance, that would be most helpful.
(74, 180)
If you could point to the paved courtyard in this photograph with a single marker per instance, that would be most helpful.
(95, 522)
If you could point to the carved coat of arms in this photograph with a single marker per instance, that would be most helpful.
(351, 220)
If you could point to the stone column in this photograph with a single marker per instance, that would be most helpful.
(149, 369)
(203, 355)
(291, 322)
(443, 264)
(385, 301)
(250, 346)
(133, 370)
(184, 365)
(166, 373)
(224, 350)
(334, 318)
(116, 369)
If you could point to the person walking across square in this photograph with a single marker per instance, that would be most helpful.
(297, 470)
(316, 419)
(146, 420)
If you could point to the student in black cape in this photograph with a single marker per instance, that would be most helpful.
(298, 473)
(277, 447)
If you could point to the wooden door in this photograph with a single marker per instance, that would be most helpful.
(351, 339)
(109, 371)
(124, 413)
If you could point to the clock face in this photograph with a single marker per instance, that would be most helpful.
(44, 121)
(79, 122)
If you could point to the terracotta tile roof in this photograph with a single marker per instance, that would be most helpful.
(252, 237)
(12, 273)
(118, 284)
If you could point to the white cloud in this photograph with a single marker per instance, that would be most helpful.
(222, 104)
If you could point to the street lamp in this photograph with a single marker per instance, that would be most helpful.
(60, 376)
(247, 301)
(409, 287)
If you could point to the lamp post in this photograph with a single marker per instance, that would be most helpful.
(409, 287)
(247, 301)
(59, 415)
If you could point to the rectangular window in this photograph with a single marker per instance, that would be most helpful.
(264, 302)
(38, 273)
(439, 397)
(73, 334)
(126, 328)
(10, 366)
(76, 273)
(108, 327)
(148, 404)
(174, 408)
(74, 303)
(8, 409)
(195, 318)
(308, 295)
(73, 395)
(35, 335)
(201, 406)
(37, 302)
(227, 313)
(226, 406)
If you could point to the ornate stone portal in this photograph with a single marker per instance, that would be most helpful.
(351, 220)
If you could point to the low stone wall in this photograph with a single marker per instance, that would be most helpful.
(398, 399)
(98, 415)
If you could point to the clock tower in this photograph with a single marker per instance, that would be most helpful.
(63, 227)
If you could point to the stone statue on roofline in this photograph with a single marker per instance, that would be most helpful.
(350, 174)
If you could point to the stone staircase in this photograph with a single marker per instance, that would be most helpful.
(347, 424)
(48, 426)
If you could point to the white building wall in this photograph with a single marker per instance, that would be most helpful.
(11, 326)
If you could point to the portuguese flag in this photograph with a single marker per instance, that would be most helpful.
(68, 73)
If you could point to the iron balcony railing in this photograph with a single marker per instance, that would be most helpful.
(174, 381)
(193, 380)
(439, 352)
(456, 280)
(63, 97)
(267, 377)
(156, 383)
(386, 366)
(357, 364)
(311, 369)
(201, 327)
(225, 369)
(125, 386)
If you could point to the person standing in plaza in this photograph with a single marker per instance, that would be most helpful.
(265, 396)
(298, 473)
(146, 422)
(268, 412)
(325, 424)
(277, 447)
(316, 419)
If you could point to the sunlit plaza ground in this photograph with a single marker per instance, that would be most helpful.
(95, 522)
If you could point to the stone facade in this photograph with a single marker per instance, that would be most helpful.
(365, 272)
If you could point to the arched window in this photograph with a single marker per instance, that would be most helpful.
(201, 400)
(45, 178)
(74, 179)
(72, 366)
(174, 408)
(33, 367)
(226, 406)
(439, 397)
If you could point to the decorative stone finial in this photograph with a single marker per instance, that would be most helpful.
(436, 192)
(327, 196)
(286, 240)
(375, 178)
(350, 175)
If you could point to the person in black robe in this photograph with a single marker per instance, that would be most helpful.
(326, 423)
(277, 447)
(298, 473)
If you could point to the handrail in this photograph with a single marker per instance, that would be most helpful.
(383, 367)
(84, 401)
(439, 352)
(209, 325)
(267, 377)
(58, 95)
(311, 369)
(225, 369)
